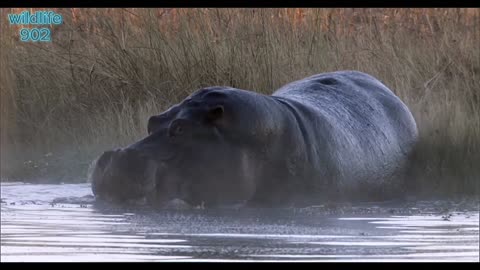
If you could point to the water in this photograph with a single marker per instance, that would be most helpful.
(76, 229)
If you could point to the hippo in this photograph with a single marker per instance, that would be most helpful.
(332, 136)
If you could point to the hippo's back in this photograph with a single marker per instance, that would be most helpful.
(368, 131)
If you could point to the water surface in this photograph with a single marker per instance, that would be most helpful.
(37, 226)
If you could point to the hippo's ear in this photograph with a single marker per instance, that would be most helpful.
(103, 160)
(153, 123)
(215, 113)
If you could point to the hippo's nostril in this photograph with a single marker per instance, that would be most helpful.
(177, 204)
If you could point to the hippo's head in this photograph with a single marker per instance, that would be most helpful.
(194, 152)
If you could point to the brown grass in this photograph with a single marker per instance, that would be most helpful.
(107, 70)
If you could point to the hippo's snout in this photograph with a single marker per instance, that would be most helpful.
(123, 175)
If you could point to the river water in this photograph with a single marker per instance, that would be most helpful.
(38, 226)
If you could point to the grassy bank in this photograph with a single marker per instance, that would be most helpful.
(106, 71)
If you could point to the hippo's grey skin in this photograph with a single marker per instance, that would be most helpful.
(123, 176)
(332, 135)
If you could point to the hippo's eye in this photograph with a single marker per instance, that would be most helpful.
(176, 128)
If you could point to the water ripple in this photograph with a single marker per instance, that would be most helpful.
(35, 229)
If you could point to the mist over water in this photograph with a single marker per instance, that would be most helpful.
(33, 228)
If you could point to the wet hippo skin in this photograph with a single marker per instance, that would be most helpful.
(332, 136)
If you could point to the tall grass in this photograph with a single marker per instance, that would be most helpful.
(107, 70)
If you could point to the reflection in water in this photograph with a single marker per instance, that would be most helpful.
(35, 229)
